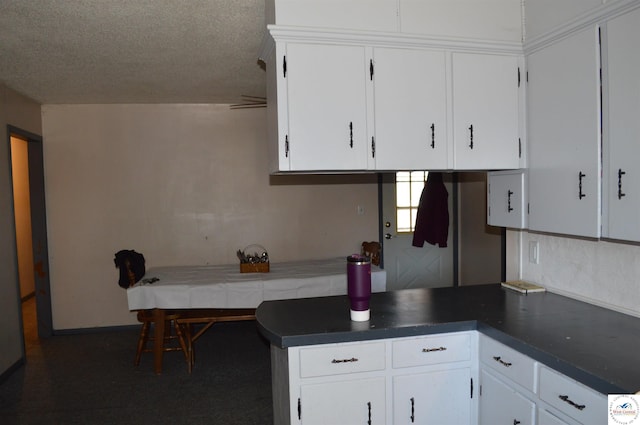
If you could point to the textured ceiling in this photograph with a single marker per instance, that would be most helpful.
(132, 51)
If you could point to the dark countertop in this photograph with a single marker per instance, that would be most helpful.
(593, 345)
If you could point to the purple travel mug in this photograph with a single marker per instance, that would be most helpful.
(359, 286)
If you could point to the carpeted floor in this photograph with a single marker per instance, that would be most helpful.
(90, 379)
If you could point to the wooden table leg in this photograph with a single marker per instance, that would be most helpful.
(158, 342)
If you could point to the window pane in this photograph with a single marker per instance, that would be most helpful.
(404, 222)
(409, 186)
(403, 194)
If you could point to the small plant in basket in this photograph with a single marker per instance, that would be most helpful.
(253, 259)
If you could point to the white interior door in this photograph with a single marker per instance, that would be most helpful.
(408, 266)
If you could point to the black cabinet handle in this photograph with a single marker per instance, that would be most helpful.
(471, 136)
(430, 350)
(433, 136)
(620, 174)
(413, 417)
(373, 147)
(351, 360)
(516, 422)
(371, 69)
(566, 399)
(369, 407)
(502, 362)
(509, 207)
(284, 66)
(286, 146)
(351, 134)
(581, 175)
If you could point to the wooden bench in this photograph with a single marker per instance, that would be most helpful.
(208, 317)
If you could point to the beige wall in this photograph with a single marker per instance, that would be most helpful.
(22, 213)
(18, 111)
(479, 249)
(183, 184)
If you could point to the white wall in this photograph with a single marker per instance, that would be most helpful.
(183, 184)
(599, 272)
(23, 113)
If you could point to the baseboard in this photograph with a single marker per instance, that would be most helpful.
(17, 365)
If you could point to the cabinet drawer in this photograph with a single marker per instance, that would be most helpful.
(431, 350)
(341, 358)
(508, 362)
(572, 398)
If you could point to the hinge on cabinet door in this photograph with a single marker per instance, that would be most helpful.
(299, 409)
(471, 387)
(286, 146)
(528, 208)
(480, 391)
(284, 66)
(371, 69)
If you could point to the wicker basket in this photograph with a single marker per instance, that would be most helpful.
(254, 266)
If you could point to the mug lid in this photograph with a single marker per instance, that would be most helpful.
(358, 259)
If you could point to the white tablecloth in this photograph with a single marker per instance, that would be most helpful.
(225, 287)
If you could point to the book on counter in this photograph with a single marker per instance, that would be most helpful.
(522, 286)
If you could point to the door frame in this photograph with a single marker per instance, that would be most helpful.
(38, 226)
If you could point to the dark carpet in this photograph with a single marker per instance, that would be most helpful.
(89, 378)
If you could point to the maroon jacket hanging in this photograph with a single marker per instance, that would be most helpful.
(432, 220)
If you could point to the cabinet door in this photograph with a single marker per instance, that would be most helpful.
(500, 404)
(442, 397)
(410, 109)
(485, 111)
(623, 130)
(564, 136)
(326, 99)
(346, 402)
(507, 199)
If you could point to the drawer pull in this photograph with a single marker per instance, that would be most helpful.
(413, 410)
(502, 362)
(430, 350)
(516, 422)
(566, 399)
(351, 360)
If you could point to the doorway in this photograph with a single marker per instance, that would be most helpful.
(475, 252)
(27, 170)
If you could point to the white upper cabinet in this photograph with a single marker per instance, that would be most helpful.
(326, 114)
(485, 111)
(497, 20)
(364, 15)
(564, 136)
(622, 131)
(507, 199)
(543, 16)
(410, 109)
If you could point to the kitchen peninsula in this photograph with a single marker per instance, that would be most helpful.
(593, 347)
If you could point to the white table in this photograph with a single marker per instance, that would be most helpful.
(224, 287)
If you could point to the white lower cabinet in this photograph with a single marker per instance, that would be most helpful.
(360, 401)
(501, 404)
(440, 397)
(454, 378)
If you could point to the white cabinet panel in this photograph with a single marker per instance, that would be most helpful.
(410, 109)
(339, 359)
(441, 397)
(564, 136)
(345, 402)
(485, 20)
(542, 16)
(430, 350)
(326, 100)
(508, 362)
(485, 111)
(622, 134)
(500, 404)
(371, 15)
(572, 398)
(507, 199)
